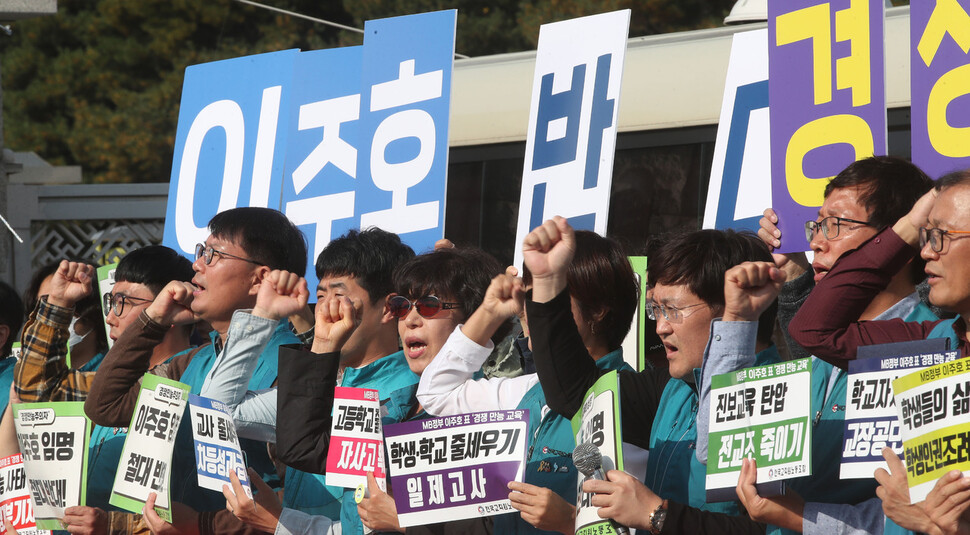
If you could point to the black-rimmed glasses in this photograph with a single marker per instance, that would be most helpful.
(829, 226)
(117, 302)
(934, 237)
(207, 252)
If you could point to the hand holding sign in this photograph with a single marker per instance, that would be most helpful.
(542, 507)
(70, 283)
(547, 251)
(623, 498)
(948, 501)
(336, 320)
(172, 305)
(281, 294)
(378, 511)
(792, 264)
(893, 490)
(83, 520)
(749, 289)
(785, 511)
(261, 512)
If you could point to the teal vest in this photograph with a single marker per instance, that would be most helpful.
(308, 492)
(673, 471)
(6, 378)
(549, 461)
(93, 364)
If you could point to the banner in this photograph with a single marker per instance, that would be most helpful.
(456, 467)
(932, 405)
(15, 496)
(571, 139)
(939, 83)
(217, 451)
(740, 186)
(106, 281)
(336, 139)
(53, 438)
(146, 458)
(598, 421)
(764, 413)
(826, 87)
(356, 439)
(870, 410)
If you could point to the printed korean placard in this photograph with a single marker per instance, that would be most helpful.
(933, 405)
(598, 421)
(146, 458)
(53, 440)
(15, 499)
(356, 440)
(217, 451)
(763, 412)
(456, 467)
(870, 410)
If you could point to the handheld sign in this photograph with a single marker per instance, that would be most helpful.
(106, 281)
(598, 422)
(826, 88)
(764, 413)
(572, 123)
(456, 467)
(53, 439)
(15, 496)
(870, 410)
(146, 458)
(217, 451)
(740, 186)
(932, 405)
(356, 439)
(940, 82)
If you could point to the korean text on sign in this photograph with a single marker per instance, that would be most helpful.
(217, 451)
(15, 501)
(763, 413)
(147, 454)
(827, 102)
(356, 439)
(455, 467)
(870, 410)
(933, 406)
(53, 440)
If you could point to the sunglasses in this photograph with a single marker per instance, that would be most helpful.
(427, 306)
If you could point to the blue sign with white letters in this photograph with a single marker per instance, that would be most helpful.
(335, 139)
(229, 146)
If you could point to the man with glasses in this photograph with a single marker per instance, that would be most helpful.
(866, 197)
(245, 244)
(42, 373)
(936, 228)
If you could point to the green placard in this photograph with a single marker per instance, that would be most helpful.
(639, 264)
(52, 437)
(148, 447)
(598, 420)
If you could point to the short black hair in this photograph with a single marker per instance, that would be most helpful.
(370, 256)
(266, 235)
(699, 260)
(460, 273)
(600, 277)
(956, 178)
(11, 315)
(890, 187)
(154, 266)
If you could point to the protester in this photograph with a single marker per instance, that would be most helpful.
(828, 323)
(863, 199)
(686, 274)
(86, 342)
(245, 244)
(11, 319)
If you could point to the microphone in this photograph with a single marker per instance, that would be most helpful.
(589, 461)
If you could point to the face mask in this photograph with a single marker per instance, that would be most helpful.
(74, 338)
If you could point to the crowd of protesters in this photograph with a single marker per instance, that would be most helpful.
(450, 332)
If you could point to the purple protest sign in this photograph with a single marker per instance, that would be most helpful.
(940, 66)
(456, 467)
(827, 101)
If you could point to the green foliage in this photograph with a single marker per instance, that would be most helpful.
(98, 85)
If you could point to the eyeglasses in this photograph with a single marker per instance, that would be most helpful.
(669, 313)
(829, 226)
(206, 252)
(934, 236)
(117, 303)
(428, 306)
